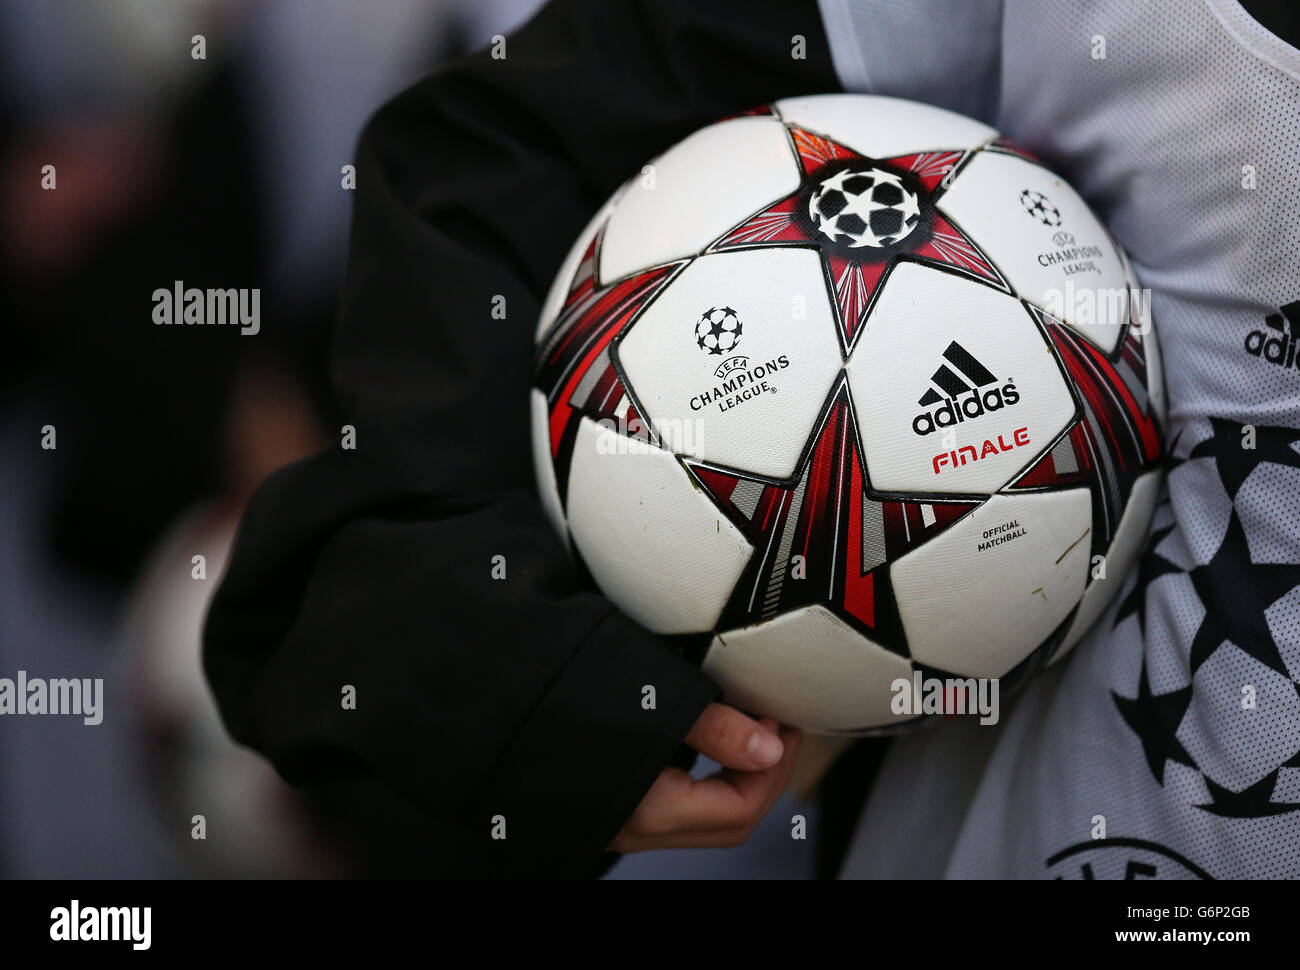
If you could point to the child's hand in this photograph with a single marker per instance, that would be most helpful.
(679, 812)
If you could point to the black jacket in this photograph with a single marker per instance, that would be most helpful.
(372, 568)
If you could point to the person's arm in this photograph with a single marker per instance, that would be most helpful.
(371, 569)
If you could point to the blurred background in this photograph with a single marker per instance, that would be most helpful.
(220, 172)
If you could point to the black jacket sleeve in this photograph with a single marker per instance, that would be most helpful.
(372, 568)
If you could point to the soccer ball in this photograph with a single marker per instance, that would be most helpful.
(869, 418)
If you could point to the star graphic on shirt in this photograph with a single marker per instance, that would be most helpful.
(1235, 592)
(1235, 461)
(1155, 719)
(1251, 802)
(1151, 567)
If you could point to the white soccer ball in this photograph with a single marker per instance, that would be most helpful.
(878, 410)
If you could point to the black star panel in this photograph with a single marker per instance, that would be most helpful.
(1235, 462)
(1235, 592)
(1155, 719)
(1151, 567)
(1251, 802)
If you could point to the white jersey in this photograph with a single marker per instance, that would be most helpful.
(1168, 744)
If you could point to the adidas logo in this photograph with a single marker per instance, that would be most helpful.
(959, 399)
(1280, 347)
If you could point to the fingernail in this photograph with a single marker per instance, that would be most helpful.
(765, 748)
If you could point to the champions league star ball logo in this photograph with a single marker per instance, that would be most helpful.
(1040, 207)
(864, 208)
(718, 330)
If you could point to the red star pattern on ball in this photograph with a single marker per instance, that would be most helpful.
(856, 277)
(1114, 439)
(844, 540)
(574, 366)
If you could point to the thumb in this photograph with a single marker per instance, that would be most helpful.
(735, 740)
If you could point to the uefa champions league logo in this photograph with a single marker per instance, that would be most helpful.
(718, 330)
(864, 208)
(1040, 207)
(717, 333)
